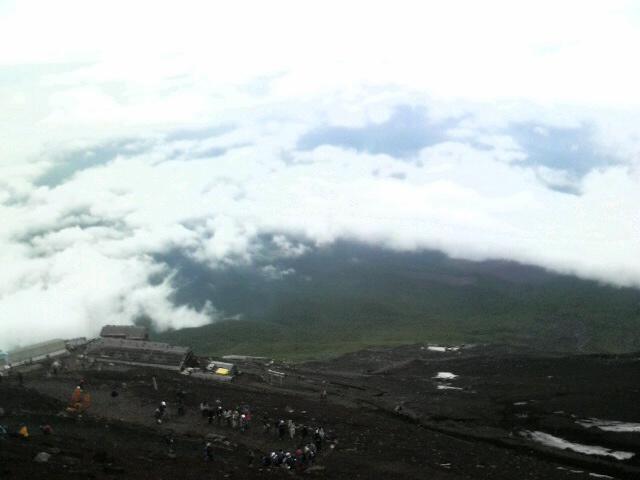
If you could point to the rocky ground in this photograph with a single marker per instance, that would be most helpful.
(407, 412)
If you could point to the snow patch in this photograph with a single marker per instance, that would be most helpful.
(445, 376)
(448, 387)
(610, 425)
(437, 349)
(556, 442)
(440, 348)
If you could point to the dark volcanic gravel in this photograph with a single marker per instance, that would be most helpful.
(471, 429)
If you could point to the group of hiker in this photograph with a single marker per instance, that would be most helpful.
(290, 428)
(301, 458)
(23, 431)
(238, 418)
(309, 441)
(312, 441)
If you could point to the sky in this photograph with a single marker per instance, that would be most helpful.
(488, 130)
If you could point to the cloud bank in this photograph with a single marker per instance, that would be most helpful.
(201, 128)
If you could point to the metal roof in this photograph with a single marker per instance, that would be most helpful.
(135, 345)
(37, 350)
(136, 352)
(124, 331)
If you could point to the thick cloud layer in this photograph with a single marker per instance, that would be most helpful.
(472, 133)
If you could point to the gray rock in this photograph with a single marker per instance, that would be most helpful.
(42, 457)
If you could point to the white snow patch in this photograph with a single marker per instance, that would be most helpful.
(440, 348)
(448, 387)
(521, 403)
(556, 442)
(598, 475)
(445, 376)
(610, 425)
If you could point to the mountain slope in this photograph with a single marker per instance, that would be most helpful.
(342, 297)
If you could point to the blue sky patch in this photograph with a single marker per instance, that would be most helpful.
(405, 133)
(569, 149)
(70, 164)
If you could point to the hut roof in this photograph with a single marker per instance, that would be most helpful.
(139, 352)
(130, 332)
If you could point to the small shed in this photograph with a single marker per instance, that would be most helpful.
(228, 368)
(125, 332)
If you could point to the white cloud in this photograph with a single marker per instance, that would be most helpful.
(79, 254)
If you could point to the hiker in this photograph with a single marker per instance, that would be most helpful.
(317, 439)
(323, 394)
(80, 401)
(46, 429)
(23, 432)
(234, 419)
(292, 429)
(243, 422)
(266, 423)
(170, 441)
(158, 416)
(282, 429)
(227, 417)
(290, 461)
(55, 367)
(299, 455)
(208, 452)
(163, 408)
(219, 415)
(311, 453)
(304, 431)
